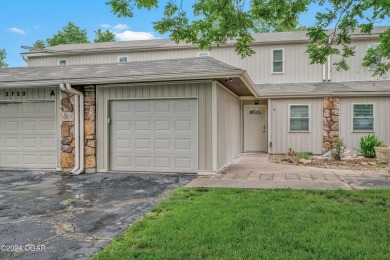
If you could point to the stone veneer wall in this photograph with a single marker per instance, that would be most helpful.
(67, 130)
(331, 127)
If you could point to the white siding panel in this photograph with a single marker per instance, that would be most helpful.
(259, 66)
(356, 72)
(381, 120)
(201, 91)
(228, 126)
(280, 136)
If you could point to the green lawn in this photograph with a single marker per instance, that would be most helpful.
(271, 224)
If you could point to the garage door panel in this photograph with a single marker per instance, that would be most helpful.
(163, 137)
(28, 135)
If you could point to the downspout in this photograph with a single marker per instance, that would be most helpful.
(79, 129)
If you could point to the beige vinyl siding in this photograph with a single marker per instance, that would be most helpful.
(258, 66)
(381, 120)
(279, 134)
(199, 90)
(356, 72)
(228, 126)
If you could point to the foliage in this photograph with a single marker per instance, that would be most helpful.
(69, 34)
(338, 148)
(39, 44)
(104, 36)
(215, 22)
(367, 144)
(304, 155)
(72, 33)
(203, 223)
(3, 55)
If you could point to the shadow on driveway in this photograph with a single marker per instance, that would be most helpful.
(63, 217)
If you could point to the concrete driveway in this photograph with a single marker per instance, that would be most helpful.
(49, 216)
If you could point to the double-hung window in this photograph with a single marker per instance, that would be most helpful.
(277, 61)
(299, 118)
(363, 117)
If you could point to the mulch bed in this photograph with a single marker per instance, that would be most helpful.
(359, 164)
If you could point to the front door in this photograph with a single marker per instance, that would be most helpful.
(255, 128)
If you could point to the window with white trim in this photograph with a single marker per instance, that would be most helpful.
(62, 62)
(122, 59)
(373, 66)
(277, 61)
(363, 117)
(203, 54)
(299, 118)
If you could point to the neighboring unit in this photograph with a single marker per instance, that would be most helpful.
(157, 106)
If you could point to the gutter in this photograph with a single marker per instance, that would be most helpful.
(78, 128)
(330, 94)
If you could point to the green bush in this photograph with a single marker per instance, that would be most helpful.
(367, 144)
(303, 155)
(338, 148)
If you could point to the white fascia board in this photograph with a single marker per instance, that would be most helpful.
(127, 79)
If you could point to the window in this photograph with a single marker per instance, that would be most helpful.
(277, 61)
(379, 59)
(62, 62)
(203, 54)
(122, 59)
(363, 117)
(299, 118)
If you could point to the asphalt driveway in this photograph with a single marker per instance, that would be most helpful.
(49, 216)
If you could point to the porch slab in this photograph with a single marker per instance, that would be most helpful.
(253, 171)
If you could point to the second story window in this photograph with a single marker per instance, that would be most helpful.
(62, 62)
(203, 54)
(373, 66)
(122, 59)
(277, 61)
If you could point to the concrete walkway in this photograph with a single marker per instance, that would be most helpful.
(252, 171)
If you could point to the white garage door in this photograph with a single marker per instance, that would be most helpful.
(154, 135)
(27, 135)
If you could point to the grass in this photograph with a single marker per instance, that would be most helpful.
(266, 224)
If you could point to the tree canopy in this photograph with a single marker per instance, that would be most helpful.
(73, 34)
(3, 55)
(104, 36)
(216, 21)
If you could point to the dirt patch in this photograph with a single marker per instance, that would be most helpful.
(360, 164)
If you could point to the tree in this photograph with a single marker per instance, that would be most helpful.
(104, 36)
(39, 44)
(72, 33)
(3, 55)
(215, 22)
(69, 34)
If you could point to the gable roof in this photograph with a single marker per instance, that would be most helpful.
(260, 39)
(353, 88)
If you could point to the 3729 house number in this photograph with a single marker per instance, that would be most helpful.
(15, 93)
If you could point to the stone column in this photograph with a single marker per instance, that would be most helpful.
(67, 130)
(331, 127)
(90, 128)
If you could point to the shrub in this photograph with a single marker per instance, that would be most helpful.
(367, 144)
(303, 155)
(338, 148)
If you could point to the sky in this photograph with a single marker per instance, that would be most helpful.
(22, 22)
